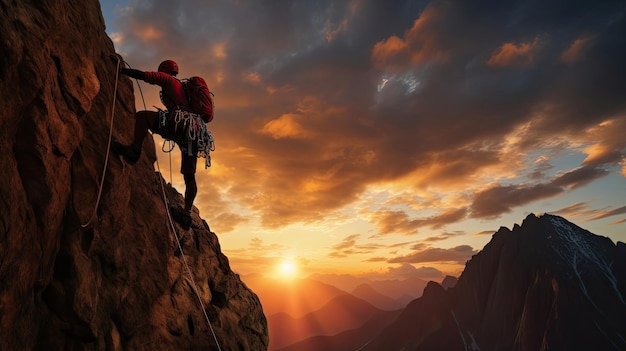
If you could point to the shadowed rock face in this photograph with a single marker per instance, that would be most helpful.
(545, 285)
(120, 283)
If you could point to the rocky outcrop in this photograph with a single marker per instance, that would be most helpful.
(545, 285)
(119, 283)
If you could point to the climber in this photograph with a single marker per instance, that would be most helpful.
(165, 124)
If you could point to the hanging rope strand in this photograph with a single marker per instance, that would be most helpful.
(106, 158)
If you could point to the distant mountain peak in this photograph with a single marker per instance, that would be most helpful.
(368, 293)
(449, 282)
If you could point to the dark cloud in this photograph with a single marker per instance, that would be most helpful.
(499, 199)
(583, 209)
(459, 254)
(496, 200)
(541, 166)
(317, 100)
(389, 221)
(579, 177)
(609, 213)
(573, 209)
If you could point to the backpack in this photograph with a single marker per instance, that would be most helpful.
(199, 97)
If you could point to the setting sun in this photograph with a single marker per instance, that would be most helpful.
(287, 269)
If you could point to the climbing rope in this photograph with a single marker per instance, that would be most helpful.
(106, 158)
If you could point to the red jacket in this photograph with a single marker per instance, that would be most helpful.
(172, 92)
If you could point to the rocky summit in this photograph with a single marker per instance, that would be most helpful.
(80, 269)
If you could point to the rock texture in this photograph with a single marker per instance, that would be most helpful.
(119, 283)
(547, 285)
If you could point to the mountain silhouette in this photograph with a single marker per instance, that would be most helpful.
(83, 269)
(401, 289)
(341, 313)
(295, 298)
(352, 339)
(385, 303)
(545, 285)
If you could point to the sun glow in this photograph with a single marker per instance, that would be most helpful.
(287, 269)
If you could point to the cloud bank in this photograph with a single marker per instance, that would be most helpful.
(317, 102)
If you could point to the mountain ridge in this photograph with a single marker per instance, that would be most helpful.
(366, 292)
(341, 313)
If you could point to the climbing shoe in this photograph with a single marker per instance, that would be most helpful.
(181, 216)
(129, 152)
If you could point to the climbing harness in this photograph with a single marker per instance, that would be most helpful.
(106, 158)
(191, 128)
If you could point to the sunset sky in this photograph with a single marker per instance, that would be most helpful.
(392, 138)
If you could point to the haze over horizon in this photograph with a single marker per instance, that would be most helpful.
(392, 138)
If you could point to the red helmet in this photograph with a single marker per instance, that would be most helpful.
(169, 66)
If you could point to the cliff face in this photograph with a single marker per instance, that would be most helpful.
(119, 283)
(545, 285)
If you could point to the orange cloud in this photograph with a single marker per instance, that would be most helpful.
(333, 30)
(575, 52)
(252, 77)
(331, 34)
(420, 43)
(286, 126)
(227, 222)
(609, 149)
(219, 50)
(149, 33)
(393, 46)
(510, 54)
(117, 38)
(601, 154)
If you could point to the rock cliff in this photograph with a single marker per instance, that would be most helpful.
(119, 283)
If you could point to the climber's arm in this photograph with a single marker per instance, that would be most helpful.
(133, 73)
